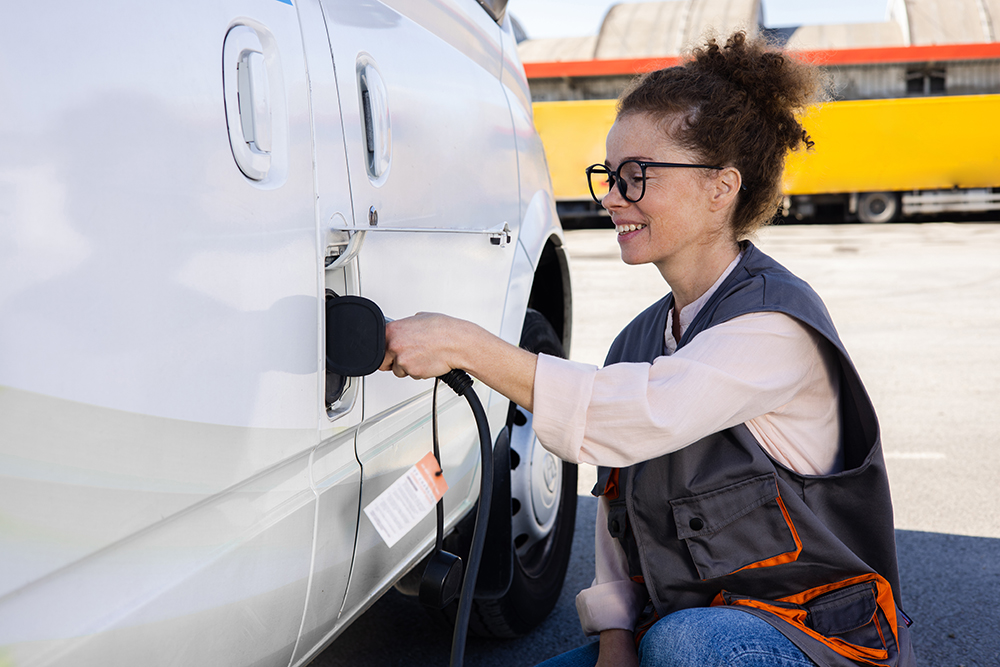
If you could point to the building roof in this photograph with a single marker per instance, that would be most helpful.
(557, 49)
(846, 36)
(666, 29)
(951, 21)
(910, 23)
(648, 29)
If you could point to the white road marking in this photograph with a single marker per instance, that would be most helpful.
(916, 456)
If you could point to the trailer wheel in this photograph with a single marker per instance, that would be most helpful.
(878, 207)
(543, 492)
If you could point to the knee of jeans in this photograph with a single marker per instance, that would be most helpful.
(677, 640)
(713, 637)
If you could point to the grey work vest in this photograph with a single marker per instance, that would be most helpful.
(720, 522)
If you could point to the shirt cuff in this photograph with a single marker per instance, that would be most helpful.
(561, 396)
(611, 606)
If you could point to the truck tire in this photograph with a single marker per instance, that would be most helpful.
(878, 207)
(543, 498)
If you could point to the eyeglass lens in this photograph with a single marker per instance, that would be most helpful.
(629, 178)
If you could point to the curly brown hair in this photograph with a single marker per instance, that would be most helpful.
(738, 106)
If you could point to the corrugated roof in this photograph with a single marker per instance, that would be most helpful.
(556, 49)
(722, 17)
(992, 8)
(911, 23)
(849, 36)
(649, 29)
(641, 28)
(666, 29)
(951, 21)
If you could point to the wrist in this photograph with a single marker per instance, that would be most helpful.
(617, 648)
(467, 344)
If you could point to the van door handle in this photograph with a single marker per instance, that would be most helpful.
(377, 128)
(248, 101)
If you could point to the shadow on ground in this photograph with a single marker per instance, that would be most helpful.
(398, 632)
(950, 585)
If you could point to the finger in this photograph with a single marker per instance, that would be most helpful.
(387, 361)
(398, 372)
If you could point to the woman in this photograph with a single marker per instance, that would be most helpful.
(744, 513)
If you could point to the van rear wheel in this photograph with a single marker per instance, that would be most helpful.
(543, 499)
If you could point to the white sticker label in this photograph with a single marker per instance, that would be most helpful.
(398, 509)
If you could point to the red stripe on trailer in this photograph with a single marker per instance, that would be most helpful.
(554, 70)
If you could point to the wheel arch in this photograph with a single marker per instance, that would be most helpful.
(551, 291)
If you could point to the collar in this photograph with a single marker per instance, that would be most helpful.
(690, 311)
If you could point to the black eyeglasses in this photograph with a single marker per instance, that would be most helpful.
(630, 176)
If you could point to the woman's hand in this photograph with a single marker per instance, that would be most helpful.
(617, 649)
(426, 345)
(429, 345)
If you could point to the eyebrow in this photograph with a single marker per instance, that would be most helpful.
(638, 158)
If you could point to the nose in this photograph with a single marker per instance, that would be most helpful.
(614, 199)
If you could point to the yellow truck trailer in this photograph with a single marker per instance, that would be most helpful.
(874, 160)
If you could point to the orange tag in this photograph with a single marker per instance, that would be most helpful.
(398, 509)
(433, 475)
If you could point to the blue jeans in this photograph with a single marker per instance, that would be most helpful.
(703, 637)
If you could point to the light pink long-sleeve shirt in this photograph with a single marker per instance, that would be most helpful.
(766, 370)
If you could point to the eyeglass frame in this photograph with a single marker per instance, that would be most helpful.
(617, 173)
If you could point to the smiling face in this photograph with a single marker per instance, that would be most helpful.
(684, 213)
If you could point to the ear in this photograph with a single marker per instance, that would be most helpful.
(725, 186)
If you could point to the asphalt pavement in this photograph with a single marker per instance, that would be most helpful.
(918, 307)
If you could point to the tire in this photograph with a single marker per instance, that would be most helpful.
(543, 491)
(878, 207)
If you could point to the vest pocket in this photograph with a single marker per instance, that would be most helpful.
(855, 617)
(848, 614)
(741, 526)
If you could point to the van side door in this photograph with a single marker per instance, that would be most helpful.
(433, 164)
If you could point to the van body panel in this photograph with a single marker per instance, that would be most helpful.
(176, 485)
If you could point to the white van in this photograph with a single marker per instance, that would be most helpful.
(183, 186)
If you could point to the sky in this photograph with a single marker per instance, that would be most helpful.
(577, 18)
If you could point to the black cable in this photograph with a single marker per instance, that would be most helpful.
(439, 543)
(462, 384)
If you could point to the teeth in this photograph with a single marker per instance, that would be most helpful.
(625, 229)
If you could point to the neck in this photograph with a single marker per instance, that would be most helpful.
(691, 276)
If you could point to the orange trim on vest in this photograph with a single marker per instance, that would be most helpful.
(797, 617)
(611, 487)
(788, 556)
(641, 630)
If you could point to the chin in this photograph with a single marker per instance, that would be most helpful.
(631, 259)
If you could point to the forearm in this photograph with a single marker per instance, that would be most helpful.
(504, 367)
(630, 412)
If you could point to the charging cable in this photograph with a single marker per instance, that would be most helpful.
(461, 383)
(355, 346)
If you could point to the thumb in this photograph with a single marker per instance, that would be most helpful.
(387, 361)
